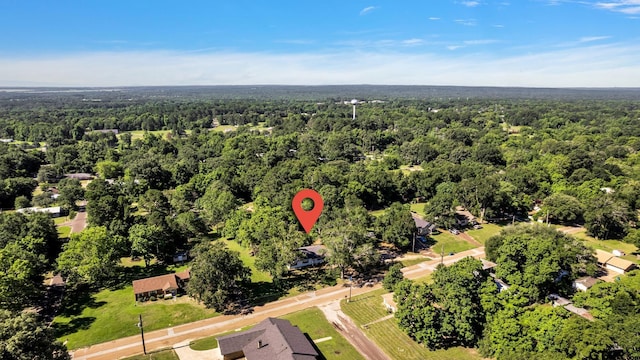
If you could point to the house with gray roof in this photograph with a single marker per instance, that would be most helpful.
(272, 338)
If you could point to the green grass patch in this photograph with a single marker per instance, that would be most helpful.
(313, 323)
(418, 208)
(366, 308)
(449, 243)
(609, 245)
(377, 213)
(88, 319)
(64, 232)
(248, 260)
(167, 354)
(210, 342)
(487, 231)
(60, 220)
(411, 262)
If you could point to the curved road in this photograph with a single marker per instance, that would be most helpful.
(166, 338)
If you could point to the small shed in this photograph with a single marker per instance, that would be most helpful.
(389, 304)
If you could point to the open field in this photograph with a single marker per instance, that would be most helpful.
(367, 308)
(609, 245)
(487, 231)
(111, 314)
(448, 243)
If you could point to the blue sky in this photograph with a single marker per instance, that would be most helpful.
(542, 43)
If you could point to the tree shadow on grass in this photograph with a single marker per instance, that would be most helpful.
(73, 326)
(78, 299)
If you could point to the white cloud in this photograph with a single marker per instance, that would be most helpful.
(593, 38)
(367, 10)
(414, 41)
(454, 47)
(466, 22)
(480, 42)
(630, 7)
(433, 18)
(471, 3)
(582, 66)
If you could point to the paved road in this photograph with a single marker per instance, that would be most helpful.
(79, 222)
(166, 338)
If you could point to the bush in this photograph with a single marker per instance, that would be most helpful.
(393, 277)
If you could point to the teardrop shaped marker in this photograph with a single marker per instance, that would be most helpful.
(307, 218)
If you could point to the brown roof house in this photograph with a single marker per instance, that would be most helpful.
(613, 263)
(273, 339)
(163, 286)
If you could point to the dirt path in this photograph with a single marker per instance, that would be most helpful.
(468, 238)
(166, 338)
(571, 229)
(352, 333)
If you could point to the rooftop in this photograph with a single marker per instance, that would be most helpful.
(164, 282)
(273, 339)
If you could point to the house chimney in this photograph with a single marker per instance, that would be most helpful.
(259, 344)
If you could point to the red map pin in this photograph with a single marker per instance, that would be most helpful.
(307, 218)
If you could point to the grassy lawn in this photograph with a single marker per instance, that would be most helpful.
(167, 354)
(609, 245)
(211, 342)
(450, 243)
(418, 208)
(313, 323)
(377, 213)
(410, 262)
(111, 314)
(487, 231)
(368, 307)
(64, 232)
(248, 260)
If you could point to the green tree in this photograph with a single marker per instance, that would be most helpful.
(396, 225)
(217, 203)
(70, 192)
(562, 208)
(22, 202)
(90, 256)
(22, 264)
(441, 208)
(147, 241)
(539, 259)
(608, 218)
(345, 239)
(108, 169)
(393, 277)
(276, 253)
(217, 274)
(23, 337)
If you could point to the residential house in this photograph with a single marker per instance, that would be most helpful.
(309, 256)
(273, 339)
(423, 227)
(162, 286)
(53, 211)
(610, 262)
(584, 283)
(464, 217)
(79, 176)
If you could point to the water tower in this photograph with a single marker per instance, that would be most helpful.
(354, 102)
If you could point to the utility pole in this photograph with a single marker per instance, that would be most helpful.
(144, 348)
(350, 286)
(414, 241)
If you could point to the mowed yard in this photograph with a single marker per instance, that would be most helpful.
(312, 323)
(112, 314)
(368, 308)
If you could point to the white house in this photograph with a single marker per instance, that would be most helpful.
(53, 211)
(584, 283)
(309, 256)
